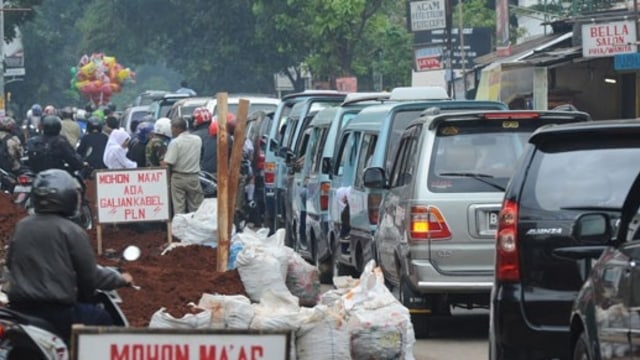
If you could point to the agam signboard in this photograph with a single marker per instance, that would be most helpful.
(132, 195)
(608, 39)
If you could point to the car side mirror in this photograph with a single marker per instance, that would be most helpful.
(326, 165)
(375, 178)
(593, 228)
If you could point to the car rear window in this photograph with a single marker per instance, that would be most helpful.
(582, 173)
(477, 156)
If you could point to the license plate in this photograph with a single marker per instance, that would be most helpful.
(21, 189)
(492, 219)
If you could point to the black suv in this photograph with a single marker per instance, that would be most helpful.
(567, 171)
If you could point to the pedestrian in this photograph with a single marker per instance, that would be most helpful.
(157, 146)
(93, 144)
(110, 124)
(115, 154)
(183, 158)
(70, 128)
(185, 89)
(209, 156)
(11, 146)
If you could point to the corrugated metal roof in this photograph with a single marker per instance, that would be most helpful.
(518, 49)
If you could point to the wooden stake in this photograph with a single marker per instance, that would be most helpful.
(239, 135)
(223, 184)
(99, 236)
(169, 233)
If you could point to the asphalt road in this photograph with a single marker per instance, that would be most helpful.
(462, 336)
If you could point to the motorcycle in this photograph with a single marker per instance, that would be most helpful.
(22, 189)
(27, 337)
(209, 184)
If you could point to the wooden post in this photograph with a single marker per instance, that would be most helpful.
(169, 233)
(239, 135)
(223, 184)
(99, 236)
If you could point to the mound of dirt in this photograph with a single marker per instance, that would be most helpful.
(170, 281)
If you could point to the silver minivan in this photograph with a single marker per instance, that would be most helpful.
(371, 139)
(438, 217)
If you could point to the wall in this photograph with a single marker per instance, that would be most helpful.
(596, 97)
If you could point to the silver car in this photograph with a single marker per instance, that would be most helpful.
(436, 231)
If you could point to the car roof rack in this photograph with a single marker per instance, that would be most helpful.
(418, 93)
(357, 97)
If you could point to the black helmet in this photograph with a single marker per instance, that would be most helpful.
(66, 112)
(94, 123)
(51, 125)
(55, 191)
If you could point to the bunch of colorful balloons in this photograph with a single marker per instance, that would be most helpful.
(98, 76)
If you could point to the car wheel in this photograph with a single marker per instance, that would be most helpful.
(580, 350)
(338, 268)
(420, 322)
(324, 267)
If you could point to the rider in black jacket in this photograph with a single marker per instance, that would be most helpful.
(51, 150)
(209, 156)
(93, 143)
(52, 267)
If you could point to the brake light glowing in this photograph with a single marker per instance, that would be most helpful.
(512, 115)
(324, 195)
(428, 223)
(373, 206)
(24, 180)
(2, 330)
(507, 257)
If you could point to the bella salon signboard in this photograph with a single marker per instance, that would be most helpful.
(608, 39)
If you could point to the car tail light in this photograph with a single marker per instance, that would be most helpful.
(324, 195)
(270, 173)
(373, 204)
(261, 158)
(24, 180)
(512, 115)
(428, 223)
(507, 259)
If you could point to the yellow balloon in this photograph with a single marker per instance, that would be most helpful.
(109, 61)
(89, 69)
(124, 74)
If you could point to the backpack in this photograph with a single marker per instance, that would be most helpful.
(6, 161)
(39, 154)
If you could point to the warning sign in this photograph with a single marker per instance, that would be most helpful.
(132, 195)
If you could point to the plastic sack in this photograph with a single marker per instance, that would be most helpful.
(342, 284)
(323, 335)
(228, 311)
(273, 245)
(161, 319)
(199, 227)
(234, 250)
(379, 325)
(277, 312)
(260, 271)
(303, 280)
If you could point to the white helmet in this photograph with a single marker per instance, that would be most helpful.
(162, 126)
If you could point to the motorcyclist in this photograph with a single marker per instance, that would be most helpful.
(201, 123)
(70, 128)
(137, 147)
(31, 124)
(14, 146)
(93, 143)
(157, 145)
(51, 150)
(52, 268)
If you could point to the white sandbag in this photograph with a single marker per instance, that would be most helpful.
(277, 311)
(228, 311)
(161, 319)
(199, 227)
(324, 335)
(382, 333)
(380, 326)
(260, 271)
(303, 280)
(273, 244)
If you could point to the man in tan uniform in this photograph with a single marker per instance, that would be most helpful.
(183, 158)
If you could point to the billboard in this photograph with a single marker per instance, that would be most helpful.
(14, 56)
(427, 15)
(429, 58)
(609, 39)
(477, 42)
